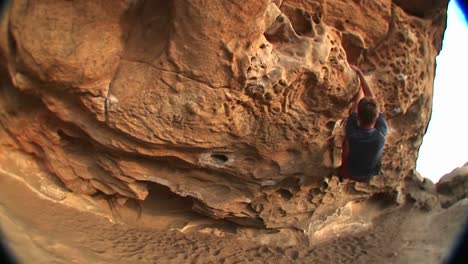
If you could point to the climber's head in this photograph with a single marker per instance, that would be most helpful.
(368, 110)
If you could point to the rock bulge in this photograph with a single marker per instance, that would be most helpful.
(238, 105)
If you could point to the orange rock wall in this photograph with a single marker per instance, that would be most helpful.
(237, 104)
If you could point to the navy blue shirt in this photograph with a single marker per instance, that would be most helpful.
(365, 146)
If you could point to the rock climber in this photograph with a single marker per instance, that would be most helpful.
(365, 133)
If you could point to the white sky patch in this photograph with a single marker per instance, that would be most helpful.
(445, 145)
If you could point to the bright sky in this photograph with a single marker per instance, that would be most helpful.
(445, 145)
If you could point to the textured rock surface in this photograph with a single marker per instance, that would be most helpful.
(453, 186)
(238, 105)
(75, 228)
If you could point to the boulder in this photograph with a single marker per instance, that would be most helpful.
(453, 186)
(238, 105)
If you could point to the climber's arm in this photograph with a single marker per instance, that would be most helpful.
(357, 98)
(365, 86)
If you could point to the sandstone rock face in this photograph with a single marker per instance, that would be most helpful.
(238, 105)
(453, 186)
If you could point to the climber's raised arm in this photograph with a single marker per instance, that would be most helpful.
(365, 86)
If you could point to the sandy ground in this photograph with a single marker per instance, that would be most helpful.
(44, 223)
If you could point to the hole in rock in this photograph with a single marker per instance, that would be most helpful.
(339, 25)
(62, 134)
(161, 200)
(330, 124)
(383, 199)
(166, 209)
(324, 186)
(300, 20)
(316, 19)
(221, 158)
(285, 194)
(353, 47)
